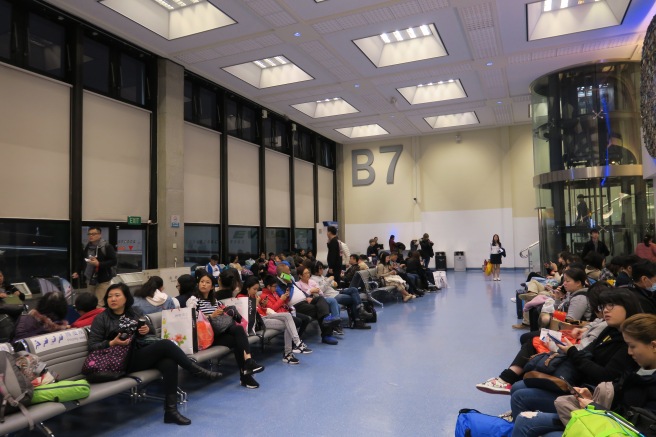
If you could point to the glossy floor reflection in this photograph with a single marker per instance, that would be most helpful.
(408, 376)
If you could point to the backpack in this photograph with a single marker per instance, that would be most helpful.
(7, 326)
(344, 251)
(113, 269)
(472, 423)
(369, 307)
(16, 390)
(595, 423)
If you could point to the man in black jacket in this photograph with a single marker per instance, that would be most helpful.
(594, 245)
(99, 263)
(334, 256)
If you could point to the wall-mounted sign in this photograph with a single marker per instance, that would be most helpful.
(134, 220)
(366, 167)
(175, 221)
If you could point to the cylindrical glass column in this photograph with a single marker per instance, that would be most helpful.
(587, 158)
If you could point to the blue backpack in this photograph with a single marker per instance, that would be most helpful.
(472, 423)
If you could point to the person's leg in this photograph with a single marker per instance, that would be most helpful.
(535, 424)
(301, 321)
(334, 307)
(274, 322)
(523, 398)
(348, 301)
(99, 290)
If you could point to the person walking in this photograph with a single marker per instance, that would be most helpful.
(426, 250)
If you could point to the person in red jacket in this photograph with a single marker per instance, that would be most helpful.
(86, 305)
(269, 299)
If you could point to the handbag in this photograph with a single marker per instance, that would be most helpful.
(472, 423)
(546, 362)
(221, 323)
(107, 364)
(179, 325)
(204, 332)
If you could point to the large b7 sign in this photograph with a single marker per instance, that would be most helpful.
(360, 168)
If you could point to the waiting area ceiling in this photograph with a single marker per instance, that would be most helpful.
(409, 67)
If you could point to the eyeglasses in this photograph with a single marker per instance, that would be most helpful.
(608, 306)
(93, 233)
(177, 286)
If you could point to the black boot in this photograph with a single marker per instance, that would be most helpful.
(171, 413)
(202, 372)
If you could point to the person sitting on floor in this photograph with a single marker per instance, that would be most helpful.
(633, 390)
(605, 359)
(48, 316)
(86, 304)
(151, 299)
(586, 335)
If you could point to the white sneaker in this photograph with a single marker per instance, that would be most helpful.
(495, 386)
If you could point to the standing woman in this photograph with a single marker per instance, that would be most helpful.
(496, 251)
(426, 249)
(234, 337)
(647, 249)
(163, 355)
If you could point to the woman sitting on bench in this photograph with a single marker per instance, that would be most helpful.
(163, 355)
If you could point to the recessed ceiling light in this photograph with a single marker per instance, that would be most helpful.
(362, 131)
(433, 92)
(398, 36)
(411, 32)
(425, 30)
(395, 47)
(297, 34)
(328, 107)
(452, 120)
(357, 85)
(268, 72)
(489, 64)
(499, 102)
(385, 38)
(552, 18)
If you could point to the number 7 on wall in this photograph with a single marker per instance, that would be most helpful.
(366, 166)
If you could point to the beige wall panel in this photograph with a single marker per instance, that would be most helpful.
(326, 194)
(304, 194)
(34, 146)
(202, 182)
(277, 190)
(243, 183)
(521, 151)
(116, 157)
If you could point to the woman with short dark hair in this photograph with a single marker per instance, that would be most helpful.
(121, 317)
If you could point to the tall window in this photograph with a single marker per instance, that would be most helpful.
(96, 66)
(133, 79)
(277, 240)
(46, 45)
(5, 29)
(243, 241)
(201, 242)
(304, 239)
(33, 248)
(208, 112)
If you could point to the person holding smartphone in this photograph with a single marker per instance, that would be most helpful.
(636, 389)
(496, 252)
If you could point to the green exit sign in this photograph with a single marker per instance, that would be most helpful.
(134, 220)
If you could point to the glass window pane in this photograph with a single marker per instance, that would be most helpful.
(281, 140)
(33, 248)
(304, 239)
(201, 242)
(46, 41)
(188, 101)
(243, 241)
(277, 240)
(5, 29)
(248, 124)
(96, 66)
(133, 79)
(208, 110)
(268, 134)
(130, 252)
(231, 108)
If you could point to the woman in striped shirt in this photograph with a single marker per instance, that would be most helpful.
(234, 337)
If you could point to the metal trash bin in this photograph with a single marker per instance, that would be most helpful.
(440, 261)
(459, 261)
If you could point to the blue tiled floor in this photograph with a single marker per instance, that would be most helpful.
(408, 376)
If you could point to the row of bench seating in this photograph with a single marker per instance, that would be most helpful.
(66, 351)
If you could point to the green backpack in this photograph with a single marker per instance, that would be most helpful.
(599, 423)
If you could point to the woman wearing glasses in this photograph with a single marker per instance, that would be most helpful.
(605, 359)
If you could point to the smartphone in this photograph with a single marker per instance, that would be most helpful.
(571, 389)
(556, 340)
(286, 276)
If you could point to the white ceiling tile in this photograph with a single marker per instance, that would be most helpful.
(378, 15)
(247, 45)
(280, 19)
(265, 7)
(483, 43)
(329, 26)
(503, 114)
(405, 9)
(571, 50)
(544, 54)
(351, 21)
(431, 5)
(269, 40)
(317, 50)
(476, 16)
(519, 58)
(343, 73)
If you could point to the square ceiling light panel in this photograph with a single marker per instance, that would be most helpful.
(551, 18)
(368, 130)
(433, 92)
(401, 46)
(452, 120)
(172, 19)
(326, 108)
(268, 72)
